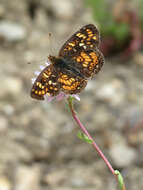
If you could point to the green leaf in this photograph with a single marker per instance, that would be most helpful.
(120, 179)
(84, 137)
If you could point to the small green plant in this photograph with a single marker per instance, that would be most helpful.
(108, 25)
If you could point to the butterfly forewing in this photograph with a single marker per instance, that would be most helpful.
(89, 62)
(86, 38)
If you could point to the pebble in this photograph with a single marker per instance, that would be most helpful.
(10, 85)
(138, 58)
(56, 178)
(122, 155)
(8, 109)
(91, 84)
(11, 31)
(2, 11)
(63, 9)
(5, 183)
(112, 92)
(11, 152)
(133, 115)
(27, 178)
(3, 123)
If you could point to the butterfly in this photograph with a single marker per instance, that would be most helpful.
(79, 59)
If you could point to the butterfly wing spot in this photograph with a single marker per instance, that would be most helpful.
(36, 92)
(80, 35)
(63, 76)
(68, 48)
(79, 59)
(50, 82)
(66, 87)
(94, 56)
(94, 38)
(39, 84)
(54, 83)
(46, 74)
(81, 44)
(87, 29)
(72, 79)
(90, 35)
(85, 65)
(43, 92)
(72, 44)
(91, 67)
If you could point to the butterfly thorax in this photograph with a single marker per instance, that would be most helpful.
(64, 64)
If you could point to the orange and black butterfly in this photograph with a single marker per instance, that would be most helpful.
(79, 59)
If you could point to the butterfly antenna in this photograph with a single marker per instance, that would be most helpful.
(51, 51)
(37, 62)
(51, 40)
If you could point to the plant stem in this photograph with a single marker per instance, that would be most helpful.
(70, 102)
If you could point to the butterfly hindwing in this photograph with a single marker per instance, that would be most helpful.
(46, 83)
(71, 83)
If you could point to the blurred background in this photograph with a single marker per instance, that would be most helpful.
(39, 149)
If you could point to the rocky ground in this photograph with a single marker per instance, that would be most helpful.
(39, 149)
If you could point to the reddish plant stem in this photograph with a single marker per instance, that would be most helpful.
(124, 188)
(89, 136)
